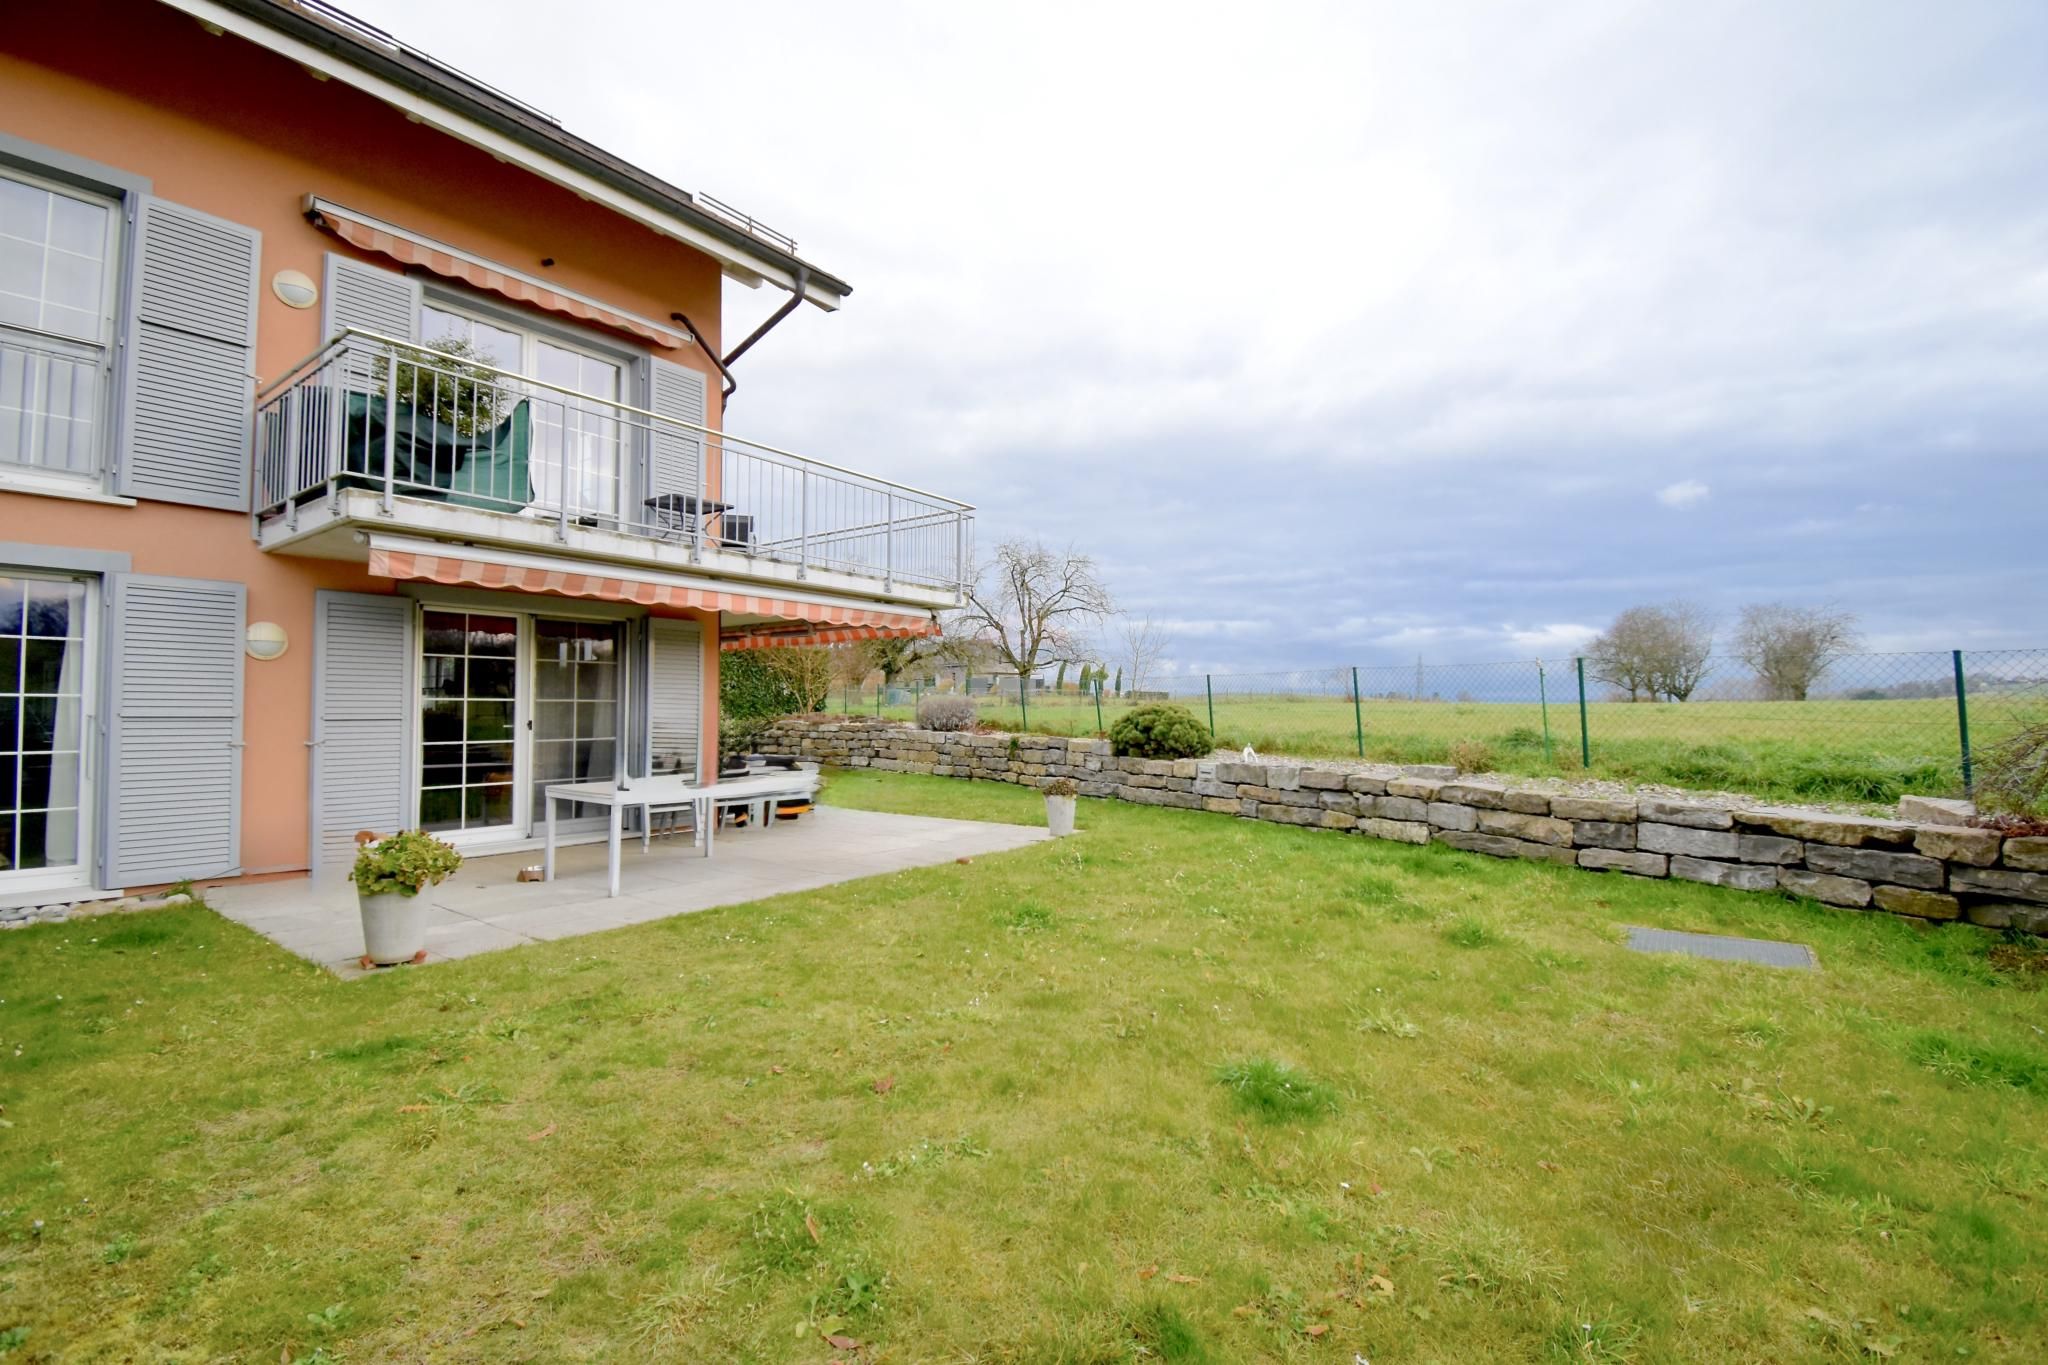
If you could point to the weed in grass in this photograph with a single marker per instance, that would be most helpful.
(1386, 1020)
(1163, 1330)
(1380, 895)
(1470, 931)
(1986, 1064)
(1752, 1028)
(1275, 1091)
(1602, 1339)
(1028, 918)
(1475, 1254)
(2024, 959)
(661, 1322)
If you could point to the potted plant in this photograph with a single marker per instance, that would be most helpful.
(389, 875)
(1059, 805)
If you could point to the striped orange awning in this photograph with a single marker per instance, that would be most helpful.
(443, 260)
(809, 639)
(457, 569)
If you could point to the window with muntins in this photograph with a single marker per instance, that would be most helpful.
(57, 271)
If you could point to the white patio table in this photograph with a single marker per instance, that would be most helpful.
(757, 790)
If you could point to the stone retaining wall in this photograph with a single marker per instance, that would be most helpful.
(1930, 871)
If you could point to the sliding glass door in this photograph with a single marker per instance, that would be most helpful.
(510, 703)
(575, 707)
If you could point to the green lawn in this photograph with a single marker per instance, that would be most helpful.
(1181, 1088)
(1828, 750)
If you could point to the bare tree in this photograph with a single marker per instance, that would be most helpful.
(1033, 607)
(1652, 652)
(1790, 647)
(1141, 643)
(1685, 658)
(806, 673)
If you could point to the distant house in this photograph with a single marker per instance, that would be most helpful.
(361, 454)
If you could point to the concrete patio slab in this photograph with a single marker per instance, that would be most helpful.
(482, 908)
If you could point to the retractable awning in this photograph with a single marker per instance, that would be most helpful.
(809, 639)
(410, 248)
(510, 571)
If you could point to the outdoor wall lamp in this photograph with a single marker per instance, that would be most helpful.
(295, 288)
(265, 640)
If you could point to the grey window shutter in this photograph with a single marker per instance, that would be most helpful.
(188, 370)
(678, 392)
(675, 692)
(173, 807)
(362, 721)
(359, 295)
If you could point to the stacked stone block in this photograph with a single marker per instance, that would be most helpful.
(1929, 871)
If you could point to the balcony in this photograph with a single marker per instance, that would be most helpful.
(372, 433)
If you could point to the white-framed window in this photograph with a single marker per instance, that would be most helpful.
(58, 268)
(579, 448)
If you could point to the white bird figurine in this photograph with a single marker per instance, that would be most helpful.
(1249, 755)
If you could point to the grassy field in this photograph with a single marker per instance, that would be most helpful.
(1854, 751)
(1178, 1089)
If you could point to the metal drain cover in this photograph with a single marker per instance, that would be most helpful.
(1721, 948)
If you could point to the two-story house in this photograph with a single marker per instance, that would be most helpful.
(361, 461)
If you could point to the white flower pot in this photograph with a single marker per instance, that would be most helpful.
(394, 927)
(1059, 815)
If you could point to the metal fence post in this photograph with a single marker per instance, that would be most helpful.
(1543, 695)
(1585, 740)
(1963, 726)
(1357, 711)
(1024, 699)
(1209, 686)
(1098, 705)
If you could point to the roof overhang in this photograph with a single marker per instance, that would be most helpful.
(431, 95)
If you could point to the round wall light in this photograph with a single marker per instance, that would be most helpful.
(295, 288)
(265, 640)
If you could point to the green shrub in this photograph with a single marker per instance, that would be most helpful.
(750, 686)
(1160, 731)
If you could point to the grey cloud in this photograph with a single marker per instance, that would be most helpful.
(1338, 332)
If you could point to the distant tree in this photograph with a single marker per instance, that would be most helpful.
(1789, 647)
(1059, 681)
(1654, 651)
(893, 657)
(1033, 607)
(1143, 642)
(1688, 650)
(1119, 680)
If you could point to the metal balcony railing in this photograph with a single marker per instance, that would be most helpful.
(419, 425)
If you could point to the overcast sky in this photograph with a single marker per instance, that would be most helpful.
(1353, 333)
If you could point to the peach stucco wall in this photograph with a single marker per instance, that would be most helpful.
(222, 126)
